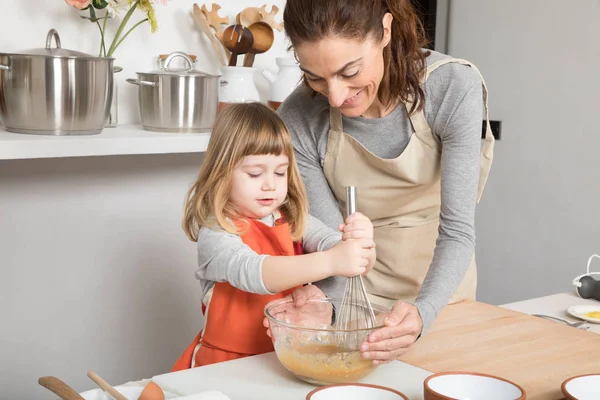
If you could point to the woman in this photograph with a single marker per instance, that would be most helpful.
(403, 125)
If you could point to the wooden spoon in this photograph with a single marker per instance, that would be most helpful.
(202, 23)
(106, 386)
(248, 16)
(269, 17)
(263, 40)
(238, 40)
(59, 388)
(218, 23)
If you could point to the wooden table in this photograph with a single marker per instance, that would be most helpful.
(535, 353)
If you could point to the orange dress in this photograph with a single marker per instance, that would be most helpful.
(234, 318)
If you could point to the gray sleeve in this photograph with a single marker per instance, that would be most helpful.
(224, 257)
(322, 203)
(458, 126)
(318, 236)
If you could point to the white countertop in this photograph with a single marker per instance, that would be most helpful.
(555, 305)
(263, 377)
(121, 140)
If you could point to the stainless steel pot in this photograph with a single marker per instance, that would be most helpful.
(177, 100)
(53, 91)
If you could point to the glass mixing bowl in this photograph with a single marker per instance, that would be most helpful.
(308, 344)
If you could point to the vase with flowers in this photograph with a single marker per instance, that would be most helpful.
(99, 12)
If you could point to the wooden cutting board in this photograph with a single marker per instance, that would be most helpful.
(535, 353)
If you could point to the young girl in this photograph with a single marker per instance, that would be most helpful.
(248, 213)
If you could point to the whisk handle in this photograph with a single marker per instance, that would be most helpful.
(350, 200)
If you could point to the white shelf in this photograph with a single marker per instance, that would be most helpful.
(122, 140)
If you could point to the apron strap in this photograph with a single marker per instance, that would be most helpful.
(335, 119)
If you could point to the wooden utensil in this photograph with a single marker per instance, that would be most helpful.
(106, 386)
(59, 388)
(269, 17)
(218, 23)
(263, 40)
(202, 23)
(238, 40)
(533, 352)
(248, 16)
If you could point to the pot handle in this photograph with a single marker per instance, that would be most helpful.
(52, 33)
(140, 83)
(4, 67)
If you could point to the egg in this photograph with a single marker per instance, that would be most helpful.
(152, 392)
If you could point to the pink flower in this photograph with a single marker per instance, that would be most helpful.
(78, 4)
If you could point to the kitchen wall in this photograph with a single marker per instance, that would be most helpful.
(537, 222)
(97, 274)
(95, 271)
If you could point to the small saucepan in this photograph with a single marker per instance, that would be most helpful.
(177, 100)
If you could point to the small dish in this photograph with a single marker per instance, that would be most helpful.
(579, 311)
(582, 387)
(130, 392)
(470, 385)
(355, 391)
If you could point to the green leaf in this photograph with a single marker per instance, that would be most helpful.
(100, 4)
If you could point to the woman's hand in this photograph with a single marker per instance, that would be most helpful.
(403, 325)
(300, 297)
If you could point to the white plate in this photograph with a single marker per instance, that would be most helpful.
(130, 392)
(578, 311)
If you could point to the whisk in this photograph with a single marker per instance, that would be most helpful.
(355, 311)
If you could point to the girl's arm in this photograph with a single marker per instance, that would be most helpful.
(224, 257)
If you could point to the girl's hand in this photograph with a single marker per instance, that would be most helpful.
(350, 257)
(356, 226)
(300, 297)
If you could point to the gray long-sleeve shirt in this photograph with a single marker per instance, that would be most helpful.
(454, 111)
(224, 257)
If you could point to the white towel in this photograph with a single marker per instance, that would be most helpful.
(208, 395)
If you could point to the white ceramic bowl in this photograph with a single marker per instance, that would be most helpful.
(355, 391)
(130, 392)
(582, 387)
(470, 386)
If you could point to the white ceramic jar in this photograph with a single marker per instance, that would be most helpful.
(237, 86)
(287, 79)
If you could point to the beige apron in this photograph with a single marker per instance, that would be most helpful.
(401, 196)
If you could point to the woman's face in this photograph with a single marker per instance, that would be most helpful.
(347, 71)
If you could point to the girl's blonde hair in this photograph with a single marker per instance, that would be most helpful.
(241, 130)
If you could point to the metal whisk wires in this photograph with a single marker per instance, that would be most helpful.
(355, 311)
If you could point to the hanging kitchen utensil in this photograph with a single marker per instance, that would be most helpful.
(217, 23)
(269, 17)
(248, 16)
(238, 40)
(55, 91)
(177, 100)
(59, 388)
(105, 386)
(202, 23)
(263, 40)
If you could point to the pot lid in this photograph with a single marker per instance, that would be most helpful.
(57, 51)
(188, 70)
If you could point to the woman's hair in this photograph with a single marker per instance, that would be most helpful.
(308, 21)
(241, 130)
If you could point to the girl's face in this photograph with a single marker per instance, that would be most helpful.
(260, 184)
(347, 71)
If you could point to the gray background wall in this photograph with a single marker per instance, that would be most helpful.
(537, 222)
(95, 270)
